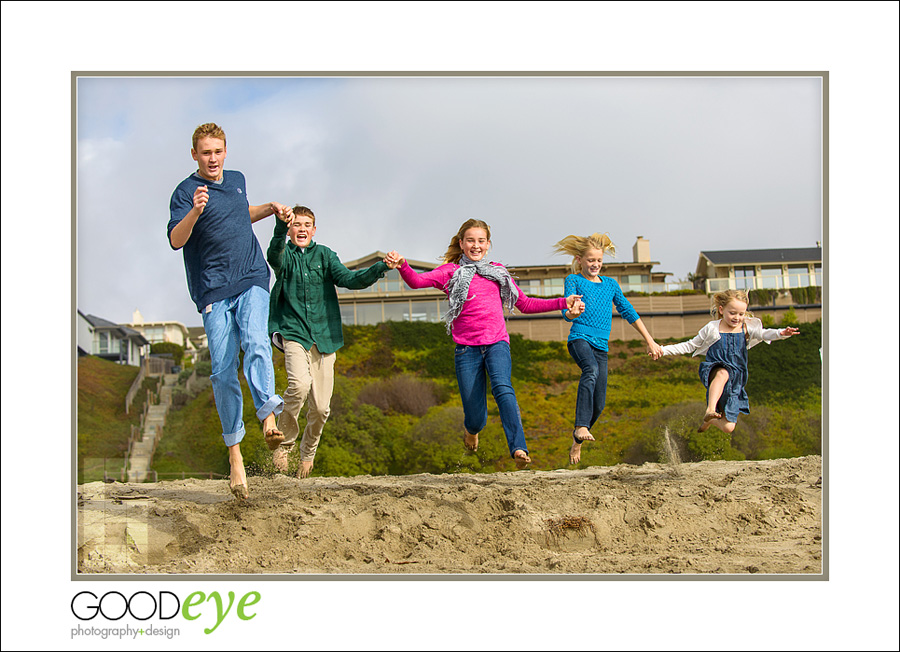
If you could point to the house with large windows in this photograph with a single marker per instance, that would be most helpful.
(104, 339)
(160, 331)
(390, 300)
(760, 269)
(664, 315)
(169, 331)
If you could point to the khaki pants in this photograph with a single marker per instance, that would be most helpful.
(310, 375)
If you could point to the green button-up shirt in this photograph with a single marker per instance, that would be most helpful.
(303, 306)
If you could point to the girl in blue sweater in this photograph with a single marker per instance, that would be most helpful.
(589, 336)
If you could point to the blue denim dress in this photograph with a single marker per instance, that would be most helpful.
(730, 351)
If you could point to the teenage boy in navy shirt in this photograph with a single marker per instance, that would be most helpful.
(228, 279)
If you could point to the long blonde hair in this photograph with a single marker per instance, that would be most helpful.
(577, 246)
(721, 299)
(454, 251)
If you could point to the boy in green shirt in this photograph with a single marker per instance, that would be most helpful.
(305, 322)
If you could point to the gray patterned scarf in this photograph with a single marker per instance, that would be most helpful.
(458, 286)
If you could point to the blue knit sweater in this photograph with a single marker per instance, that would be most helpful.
(595, 323)
(222, 258)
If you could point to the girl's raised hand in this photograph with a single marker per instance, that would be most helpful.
(790, 330)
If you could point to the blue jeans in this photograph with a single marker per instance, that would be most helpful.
(591, 397)
(472, 363)
(241, 322)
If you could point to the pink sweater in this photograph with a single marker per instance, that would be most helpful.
(481, 320)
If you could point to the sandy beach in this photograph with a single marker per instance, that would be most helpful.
(722, 517)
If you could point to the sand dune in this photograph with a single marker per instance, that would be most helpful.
(697, 518)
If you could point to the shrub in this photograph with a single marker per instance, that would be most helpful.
(163, 348)
(790, 366)
(677, 293)
(405, 394)
(682, 420)
(762, 297)
(807, 295)
(180, 397)
(789, 318)
(434, 445)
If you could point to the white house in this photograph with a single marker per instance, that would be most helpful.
(760, 269)
(115, 342)
(161, 331)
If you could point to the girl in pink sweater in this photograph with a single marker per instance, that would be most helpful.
(478, 292)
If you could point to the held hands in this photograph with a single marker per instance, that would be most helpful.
(393, 260)
(790, 330)
(654, 350)
(283, 213)
(575, 306)
(201, 197)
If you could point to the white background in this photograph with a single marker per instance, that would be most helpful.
(858, 44)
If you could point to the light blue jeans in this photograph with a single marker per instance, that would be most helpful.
(473, 365)
(234, 324)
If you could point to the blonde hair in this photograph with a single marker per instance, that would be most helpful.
(577, 246)
(208, 130)
(722, 299)
(454, 251)
(299, 211)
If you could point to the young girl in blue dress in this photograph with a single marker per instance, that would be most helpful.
(589, 335)
(725, 341)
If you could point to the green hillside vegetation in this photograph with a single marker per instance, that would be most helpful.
(103, 426)
(396, 409)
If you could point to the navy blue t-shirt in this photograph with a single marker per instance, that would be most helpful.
(222, 258)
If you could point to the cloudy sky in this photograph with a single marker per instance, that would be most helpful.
(689, 163)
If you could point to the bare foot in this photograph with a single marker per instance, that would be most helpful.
(273, 435)
(708, 419)
(238, 481)
(306, 467)
(583, 434)
(470, 441)
(521, 459)
(575, 453)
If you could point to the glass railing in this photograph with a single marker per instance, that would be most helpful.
(651, 288)
(763, 282)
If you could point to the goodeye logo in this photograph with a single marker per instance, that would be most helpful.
(165, 605)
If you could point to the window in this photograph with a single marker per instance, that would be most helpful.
(634, 282)
(368, 313)
(798, 276)
(104, 342)
(347, 314)
(531, 287)
(390, 283)
(396, 311)
(743, 278)
(819, 274)
(772, 277)
(155, 334)
(425, 311)
(554, 287)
